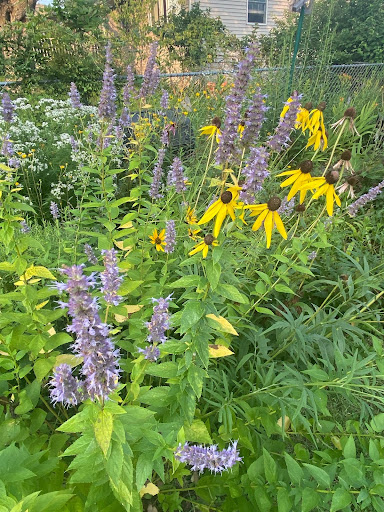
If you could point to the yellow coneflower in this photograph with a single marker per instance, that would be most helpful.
(303, 117)
(194, 233)
(325, 186)
(298, 177)
(316, 118)
(213, 129)
(208, 240)
(318, 139)
(157, 239)
(267, 213)
(190, 216)
(221, 208)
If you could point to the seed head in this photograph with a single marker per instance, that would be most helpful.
(226, 197)
(350, 112)
(332, 177)
(274, 203)
(216, 121)
(321, 106)
(308, 105)
(306, 166)
(346, 155)
(300, 208)
(352, 180)
(208, 239)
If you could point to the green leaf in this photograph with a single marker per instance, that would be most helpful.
(103, 430)
(284, 502)
(43, 366)
(321, 476)
(185, 282)
(213, 273)
(129, 286)
(296, 473)
(166, 370)
(192, 313)
(196, 379)
(377, 423)
(197, 432)
(232, 293)
(283, 288)
(309, 499)
(340, 500)
(349, 451)
(144, 469)
(269, 467)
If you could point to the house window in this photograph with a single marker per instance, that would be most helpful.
(257, 11)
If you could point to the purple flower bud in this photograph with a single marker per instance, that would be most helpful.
(74, 96)
(154, 191)
(129, 87)
(64, 386)
(365, 198)
(14, 162)
(24, 227)
(227, 147)
(8, 108)
(74, 144)
(54, 210)
(176, 176)
(286, 207)
(255, 173)
(170, 237)
(164, 101)
(110, 278)
(151, 352)
(280, 139)
(90, 254)
(7, 147)
(254, 118)
(312, 255)
(200, 457)
(107, 103)
(159, 323)
(151, 73)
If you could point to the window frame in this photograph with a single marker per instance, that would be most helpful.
(256, 22)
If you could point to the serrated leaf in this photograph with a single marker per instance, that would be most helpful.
(103, 430)
(219, 351)
(224, 325)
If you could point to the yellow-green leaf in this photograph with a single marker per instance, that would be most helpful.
(38, 271)
(150, 488)
(70, 359)
(219, 351)
(224, 325)
(103, 430)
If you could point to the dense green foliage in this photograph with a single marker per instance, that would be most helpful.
(342, 31)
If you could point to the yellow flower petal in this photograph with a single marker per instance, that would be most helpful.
(219, 221)
(205, 251)
(289, 180)
(260, 220)
(321, 191)
(211, 212)
(337, 199)
(280, 225)
(288, 173)
(199, 247)
(268, 226)
(329, 200)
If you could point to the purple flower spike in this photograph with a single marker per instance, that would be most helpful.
(170, 237)
(255, 173)
(54, 210)
(8, 107)
(176, 176)
(280, 139)
(129, 87)
(90, 254)
(151, 352)
(64, 386)
(286, 207)
(365, 198)
(24, 227)
(255, 116)
(151, 73)
(107, 103)
(74, 96)
(164, 101)
(101, 368)
(200, 457)
(227, 148)
(154, 191)
(110, 278)
(7, 147)
(159, 323)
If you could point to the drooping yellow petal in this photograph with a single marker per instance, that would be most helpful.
(162, 234)
(317, 140)
(260, 220)
(268, 226)
(159, 247)
(313, 183)
(296, 186)
(302, 195)
(208, 130)
(288, 173)
(321, 191)
(280, 225)
(329, 200)
(337, 199)
(231, 211)
(256, 209)
(219, 221)
(205, 251)
(325, 141)
(290, 180)
(211, 212)
(199, 247)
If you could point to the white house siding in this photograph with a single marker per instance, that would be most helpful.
(234, 14)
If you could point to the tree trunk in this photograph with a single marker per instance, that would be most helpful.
(15, 10)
